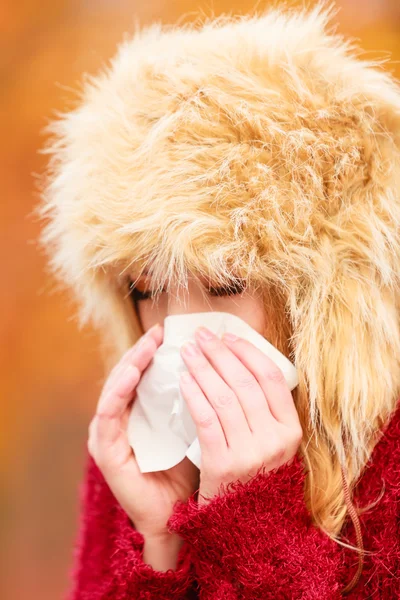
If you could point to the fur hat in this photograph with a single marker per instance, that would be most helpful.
(259, 146)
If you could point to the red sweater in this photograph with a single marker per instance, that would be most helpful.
(255, 542)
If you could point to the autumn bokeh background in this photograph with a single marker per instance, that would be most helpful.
(50, 371)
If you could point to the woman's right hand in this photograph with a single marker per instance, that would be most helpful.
(147, 498)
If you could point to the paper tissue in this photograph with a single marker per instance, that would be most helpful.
(160, 429)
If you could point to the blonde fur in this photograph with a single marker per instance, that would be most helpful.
(260, 146)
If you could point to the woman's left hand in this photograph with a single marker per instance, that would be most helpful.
(242, 407)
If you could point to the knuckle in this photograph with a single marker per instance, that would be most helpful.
(201, 367)
(273, 374)
(245, 381)
(102, 414)
(277, 452)
(224, 399)
(206, 420)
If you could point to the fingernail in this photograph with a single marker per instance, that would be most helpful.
(153, 328)
(204, 333)
(229, 337)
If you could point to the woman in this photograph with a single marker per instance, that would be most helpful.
(250, 165)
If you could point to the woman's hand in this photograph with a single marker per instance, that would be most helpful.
(147, 498)
(242, 407)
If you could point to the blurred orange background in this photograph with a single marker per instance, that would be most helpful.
(51, 372)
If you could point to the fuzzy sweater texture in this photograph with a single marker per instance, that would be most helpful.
(265, 149)
(255, 541)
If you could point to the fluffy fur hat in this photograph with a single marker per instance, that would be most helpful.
(259, 146)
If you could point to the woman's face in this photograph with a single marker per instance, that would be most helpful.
(199, 297)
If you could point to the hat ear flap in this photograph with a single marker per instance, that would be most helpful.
(105, 302)
(347, 349)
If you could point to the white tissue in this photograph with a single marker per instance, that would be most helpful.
(160, 429)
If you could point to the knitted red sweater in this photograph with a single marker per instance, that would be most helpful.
(255, 542)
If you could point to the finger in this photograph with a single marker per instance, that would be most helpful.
(155, 333)
(211, 436)
(118, 368)
(239, 379)
(113, 404)
(111, 409)
(116, 462)
(220, 396)
(139, 359)
(270, 378)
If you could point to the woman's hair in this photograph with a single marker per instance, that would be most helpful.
(261, 147)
